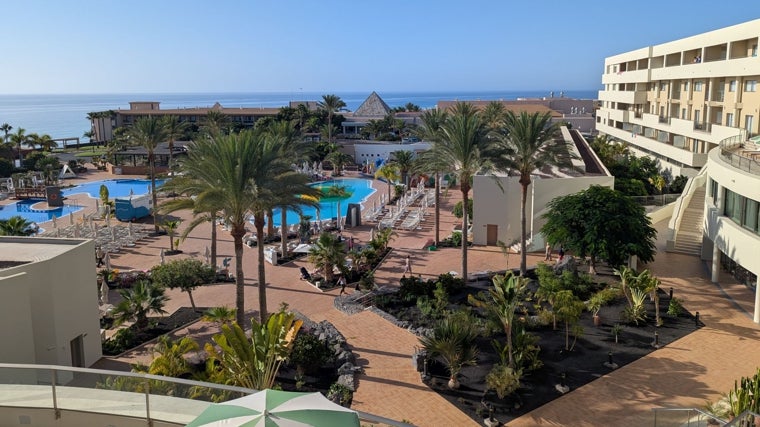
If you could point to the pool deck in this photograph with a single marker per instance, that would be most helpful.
(685, 373)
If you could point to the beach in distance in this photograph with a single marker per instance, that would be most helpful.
(65, 115)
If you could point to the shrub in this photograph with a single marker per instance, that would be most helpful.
(340, 394)
(503, 380)
(456, 239)
(412, 288)
(6, 168)
(675, 308)
(121, 341)
(450, 283)
(309, 353)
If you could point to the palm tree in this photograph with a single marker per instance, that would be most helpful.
(462, 145)
(404, 160)
(90, 135)
(171, 230)
(432, 120)
(338, 159)
(389, 172)
(6, 128)
(148, 132)
(17, 226)
(493, 115)
(339, 192)
(45, 142)
(216, 122)
(455, 343)
(19, 138)
(138, 301)
(175, 128)
(658, 182)
(501, 302)
(526, 145)
(327, 253)
(331, 103)
(219, 315)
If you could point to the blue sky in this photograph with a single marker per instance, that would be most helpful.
(108, 46)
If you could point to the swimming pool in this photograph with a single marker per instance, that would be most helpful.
(24, 209)
(116, 188)
(359, 188)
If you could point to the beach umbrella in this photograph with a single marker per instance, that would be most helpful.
(104, 293)
(107, 260)
(113, 234)
(129, 228)
(108, 219)
(55, 223)
(71, 218)
(163, 256)
(272, 408)
(207, 255)
(372, 234)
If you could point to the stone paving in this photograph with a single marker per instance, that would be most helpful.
(684, 373)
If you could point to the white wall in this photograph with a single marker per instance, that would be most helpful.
(491, 205)
(372, 152)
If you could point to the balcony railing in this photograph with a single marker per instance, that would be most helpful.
(735, 151)
(663, 119)
(120, 394)
(702, 126)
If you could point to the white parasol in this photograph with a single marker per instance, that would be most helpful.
(104, 293)
(55, 223)
(207, 255)
(107, 260)
(163, 257)
(71, 218)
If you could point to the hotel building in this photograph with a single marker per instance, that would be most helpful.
(693, 104)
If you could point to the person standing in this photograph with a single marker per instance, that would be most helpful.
(561, 253)
(408, 265)
(548, 255)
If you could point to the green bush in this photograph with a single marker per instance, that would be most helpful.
(503, 380)
(6, 168)
(309, 353)
(675, 308)
(456, 239)
(121, 341)
(340, 394)
(412, 288)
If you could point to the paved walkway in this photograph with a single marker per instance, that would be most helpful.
(686, 373)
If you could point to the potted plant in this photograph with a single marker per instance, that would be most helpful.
(599, 300)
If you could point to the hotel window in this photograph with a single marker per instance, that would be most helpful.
(732, 86)
(748, 123)
(754, 50)
(750, 214)
(697, 86)
(663, 86)
(729, 119)
(683, 113)
(749, 85)
(714, 190)
(685, 86)
(733, 208)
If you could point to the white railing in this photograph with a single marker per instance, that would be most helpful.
(683, 202)
(120, 394)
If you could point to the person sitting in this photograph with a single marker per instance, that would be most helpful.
(305, 274)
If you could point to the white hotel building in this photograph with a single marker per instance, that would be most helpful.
(694, 104)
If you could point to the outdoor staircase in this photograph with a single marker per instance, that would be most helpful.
(689, 235)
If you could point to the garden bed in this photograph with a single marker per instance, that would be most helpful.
(585, 363)
(123, 341)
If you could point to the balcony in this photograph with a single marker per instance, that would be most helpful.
(624, 96)
(741, 153)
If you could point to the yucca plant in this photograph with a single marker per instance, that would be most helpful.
(454, 342)
(636, 312)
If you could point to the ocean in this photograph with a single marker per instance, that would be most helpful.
(65, 116)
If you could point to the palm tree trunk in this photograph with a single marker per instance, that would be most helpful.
(259, 223)
(237, 232)
(437, 208)
(270, 224)
(523, 232)
(171, 153)
(213, 240)
(152, 168)
(284, 231)
(465, 192)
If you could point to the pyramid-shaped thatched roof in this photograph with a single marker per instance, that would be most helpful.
(373, 106)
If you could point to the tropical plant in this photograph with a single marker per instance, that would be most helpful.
(309, 353)
(582, 223)
(18, 139)
(493, 115)
(463, 145)
(331, 104)
(600, 299)
(252, 363)
(171, 361)
(148, 132)
(338, 192)
(675, 308)
(636, 287)
(745, 395)
(616, 330)
(215, 123)
(501, 302)
(526, 144)
(454, 342)
(568, 308)
(503, 380)
(185, 274)
(138, 302)
(326, 253)
(220, 315)
(338, 160)
(171, 226)
(389, 172)
(404, 161)
(17, 226)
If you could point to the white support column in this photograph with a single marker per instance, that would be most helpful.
(715, 263)
(716, 251)
(757, 300)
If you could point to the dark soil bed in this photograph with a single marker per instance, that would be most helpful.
(585, 363)
(158, 326)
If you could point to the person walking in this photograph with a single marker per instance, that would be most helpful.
(342, 283)
(408, 265)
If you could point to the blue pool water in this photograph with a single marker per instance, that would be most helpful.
(359, 188)
(24, 208)
(116, 188)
